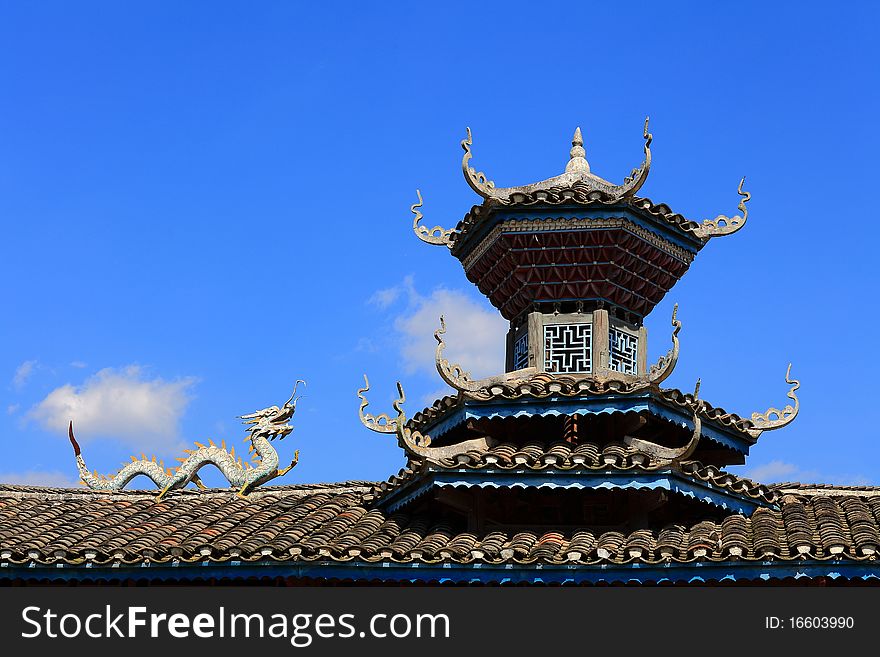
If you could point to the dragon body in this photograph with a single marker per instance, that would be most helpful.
(263, 426)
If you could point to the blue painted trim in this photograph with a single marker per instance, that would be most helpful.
(477, 573)
(734, 441)
(582, 479)
(529, 406)
(586, 405)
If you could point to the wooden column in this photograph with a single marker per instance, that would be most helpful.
(643, 351)
(536, 341)
(600, 341)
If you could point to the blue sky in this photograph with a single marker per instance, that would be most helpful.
(203, 202)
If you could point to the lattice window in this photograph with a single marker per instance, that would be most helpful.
(521, 352)
(568, 347)
(623, 351)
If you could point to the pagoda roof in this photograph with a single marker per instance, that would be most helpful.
(574, 237)
(586, 466)
(576, 186)
(329, 531)
(449, 410)
(577, 172)
(584, 197)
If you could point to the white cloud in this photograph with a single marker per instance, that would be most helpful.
(366, 345)
(774, 471)
(475, 332)
(11, 409)
(384, 298)
(78, 364)
(439, 393)
(22, 373)
(121, 404)
(53, 479)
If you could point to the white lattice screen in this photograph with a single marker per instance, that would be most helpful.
(521, 352)
(568, 347)
(623, 351)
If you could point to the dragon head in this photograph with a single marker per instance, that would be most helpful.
(271, 422)
(279, 431)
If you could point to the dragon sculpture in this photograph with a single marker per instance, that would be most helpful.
(263, 426)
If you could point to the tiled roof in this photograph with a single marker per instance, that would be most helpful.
(578, 194)
(568, 386)
(825, 489)
(586, 456)
(331, 523)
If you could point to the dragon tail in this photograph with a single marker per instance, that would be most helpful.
(76, 449)
(89, 479)
(96, 481)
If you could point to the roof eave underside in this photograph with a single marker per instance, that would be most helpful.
(330, 571)
(658, 218)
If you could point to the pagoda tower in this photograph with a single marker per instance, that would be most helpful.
(574, 465)
(577, 434)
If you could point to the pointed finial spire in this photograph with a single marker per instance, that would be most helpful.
(578, 162)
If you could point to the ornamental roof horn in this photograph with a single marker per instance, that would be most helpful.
(414, 443)
(437, 235)
(775, 418)
(722, 224)
(661, 370)
(455, 376)
(577, 172)
(674, 455)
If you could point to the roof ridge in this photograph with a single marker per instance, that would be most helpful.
(824, 489)
(56, 492)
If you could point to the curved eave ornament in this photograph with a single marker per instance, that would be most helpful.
(577, 171)
(722, 224)
(660, 371)
(455, 376)
(437, 235)
(414, 443)
(673, 455)
(775, 418)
